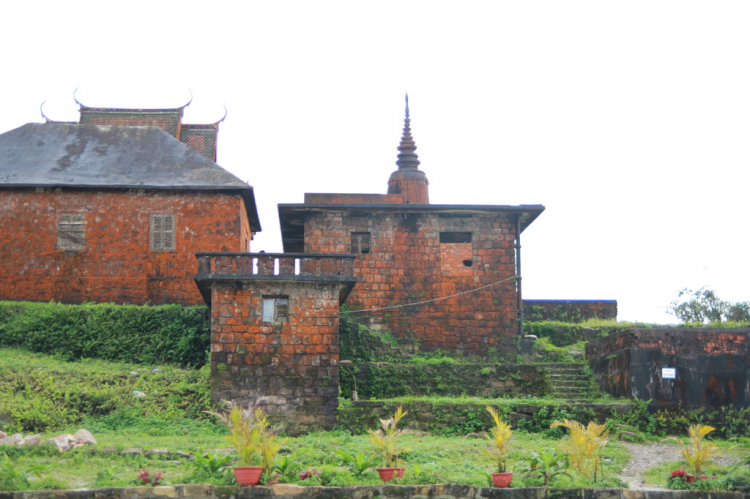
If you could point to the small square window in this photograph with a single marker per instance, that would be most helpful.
(275, 309)
(70, 232)
(162, 233)
(360, 243)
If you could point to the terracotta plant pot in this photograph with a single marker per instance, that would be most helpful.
(400, 472)
(248, 475)
(502, 480)
(387, 474)
(703, 477)
(690, 478)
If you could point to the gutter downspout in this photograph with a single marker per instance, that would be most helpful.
(519, 294)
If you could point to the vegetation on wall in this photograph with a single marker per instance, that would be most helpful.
(167, 334)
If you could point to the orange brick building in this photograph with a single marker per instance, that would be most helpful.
(441, 274)
(114, 208)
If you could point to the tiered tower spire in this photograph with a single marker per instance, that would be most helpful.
(408, 180)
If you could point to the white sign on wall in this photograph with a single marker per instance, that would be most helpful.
(668, 372)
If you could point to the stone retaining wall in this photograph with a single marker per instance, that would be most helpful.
(457, 418)
(290, 491)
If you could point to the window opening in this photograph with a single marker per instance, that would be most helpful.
(275, 308)
(70, 232)
(455, 237)
(162, 232)
(360, 243)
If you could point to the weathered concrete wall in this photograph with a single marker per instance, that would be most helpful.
(292, 491)
(712, 366)
(569, 310)
(407, 263)
(116, 263)
(292, 364)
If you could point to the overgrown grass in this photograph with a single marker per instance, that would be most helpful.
(431, 459)
(39, 392)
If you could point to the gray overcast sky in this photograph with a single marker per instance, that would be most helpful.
(628, 120)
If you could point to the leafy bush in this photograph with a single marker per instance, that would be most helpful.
(704, 306)
(169, 334)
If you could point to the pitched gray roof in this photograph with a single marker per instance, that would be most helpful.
(62, 154)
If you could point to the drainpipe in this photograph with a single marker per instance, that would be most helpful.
(519, 295)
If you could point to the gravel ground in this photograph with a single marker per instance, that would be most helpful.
(645, 456)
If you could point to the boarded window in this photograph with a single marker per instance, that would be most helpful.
(162, 233)
(360, 243)
(455, 237)
(275, 308)
(70, 232)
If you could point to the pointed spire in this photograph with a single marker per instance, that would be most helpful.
(408, 180)
(407, 158)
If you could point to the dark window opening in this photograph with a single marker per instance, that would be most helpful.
(455, 237)
(468, 263)
(70, 232)
(455, 215)
(360, 214)
(360, 243)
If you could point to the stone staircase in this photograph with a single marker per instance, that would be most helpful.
(569, 381)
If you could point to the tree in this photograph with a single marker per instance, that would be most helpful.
(704, 306)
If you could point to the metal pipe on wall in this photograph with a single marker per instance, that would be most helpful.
(519, 295)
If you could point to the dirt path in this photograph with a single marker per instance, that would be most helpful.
(643, 457)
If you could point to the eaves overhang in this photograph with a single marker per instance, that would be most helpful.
(292, 216)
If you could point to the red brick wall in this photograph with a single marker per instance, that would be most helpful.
(293, 364)
(116, 264)
(408, 264)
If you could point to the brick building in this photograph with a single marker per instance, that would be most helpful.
(454, 262)
(114, 208)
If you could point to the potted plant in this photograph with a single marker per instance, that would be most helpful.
(386, 441)
(254, 439)
(499, 437)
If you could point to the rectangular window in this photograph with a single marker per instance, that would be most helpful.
(455, 237)
(162, 233)
(275, 308)
(360, 243)
(70, 232)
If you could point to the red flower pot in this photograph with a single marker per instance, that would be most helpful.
(502, 480)
(387, 474)
(400, 472)
(703, 477)
(248, 475)
(690, 478)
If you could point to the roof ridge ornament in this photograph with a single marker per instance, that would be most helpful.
(407, 158)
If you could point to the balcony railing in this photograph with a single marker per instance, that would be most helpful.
(259, 265)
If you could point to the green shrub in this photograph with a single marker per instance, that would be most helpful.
(169, 334)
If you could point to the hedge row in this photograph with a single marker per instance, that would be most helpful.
(168, 334)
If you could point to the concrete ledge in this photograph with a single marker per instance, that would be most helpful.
(291, 491)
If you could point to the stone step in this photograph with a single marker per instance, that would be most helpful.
(572, 383)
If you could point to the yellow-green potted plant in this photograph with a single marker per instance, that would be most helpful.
(255, 440)
(386, 441)
(499, 437)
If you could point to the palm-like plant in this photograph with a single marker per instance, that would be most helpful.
(546, 465)
(386, 439)
(584, 444)
(499, 437)
(698, 451)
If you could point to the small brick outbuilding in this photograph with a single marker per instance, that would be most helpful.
(114, 208)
